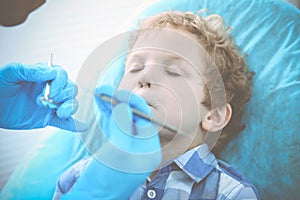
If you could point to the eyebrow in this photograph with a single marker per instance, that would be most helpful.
(132, 57)
(176, 58)
(172, 57)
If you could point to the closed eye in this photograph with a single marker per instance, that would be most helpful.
(135, 68)
(173, 71)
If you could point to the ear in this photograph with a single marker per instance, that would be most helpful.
(217, 119)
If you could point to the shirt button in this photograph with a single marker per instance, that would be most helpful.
(151, 194)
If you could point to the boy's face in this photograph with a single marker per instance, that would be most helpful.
(165, 67)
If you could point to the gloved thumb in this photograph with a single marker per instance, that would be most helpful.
(68, 124)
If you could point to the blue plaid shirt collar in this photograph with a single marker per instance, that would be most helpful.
(197, 162)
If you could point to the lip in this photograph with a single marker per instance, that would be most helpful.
(151, 105)
(148, 99)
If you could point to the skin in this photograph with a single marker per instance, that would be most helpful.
(168, 75)
(166, 68)
(15, 12)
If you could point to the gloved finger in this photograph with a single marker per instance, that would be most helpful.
(138, 103)
(16, 72)
(142, 127)
(69, 124)
(122, 116)
(133, 100)
(121, 96)
(132, 138)
(40, 100)
(58, 84)
(69, 91)
(103, 105)
(67, 109)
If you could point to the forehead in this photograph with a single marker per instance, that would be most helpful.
(170, 42)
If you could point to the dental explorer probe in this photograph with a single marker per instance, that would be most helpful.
(46, 101)
(145, 116)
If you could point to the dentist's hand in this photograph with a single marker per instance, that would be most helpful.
(22, 86)
(121, 127)
(130, 153)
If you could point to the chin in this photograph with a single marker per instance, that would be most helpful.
(166, 137)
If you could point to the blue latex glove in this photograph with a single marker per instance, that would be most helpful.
(132, 151)
(22, 86)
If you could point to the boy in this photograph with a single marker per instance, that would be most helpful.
(174, 63)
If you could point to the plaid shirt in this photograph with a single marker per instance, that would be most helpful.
(196, 174)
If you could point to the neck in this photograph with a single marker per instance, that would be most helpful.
(153, 174)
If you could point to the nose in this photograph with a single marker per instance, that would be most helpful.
(148, 76)
(142, 84)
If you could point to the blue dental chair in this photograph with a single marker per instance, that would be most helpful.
(266, 151)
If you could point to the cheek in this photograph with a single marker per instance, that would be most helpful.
(191, 112)
(183, 108)
(126, 83)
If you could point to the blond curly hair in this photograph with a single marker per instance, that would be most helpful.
(212, 34)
